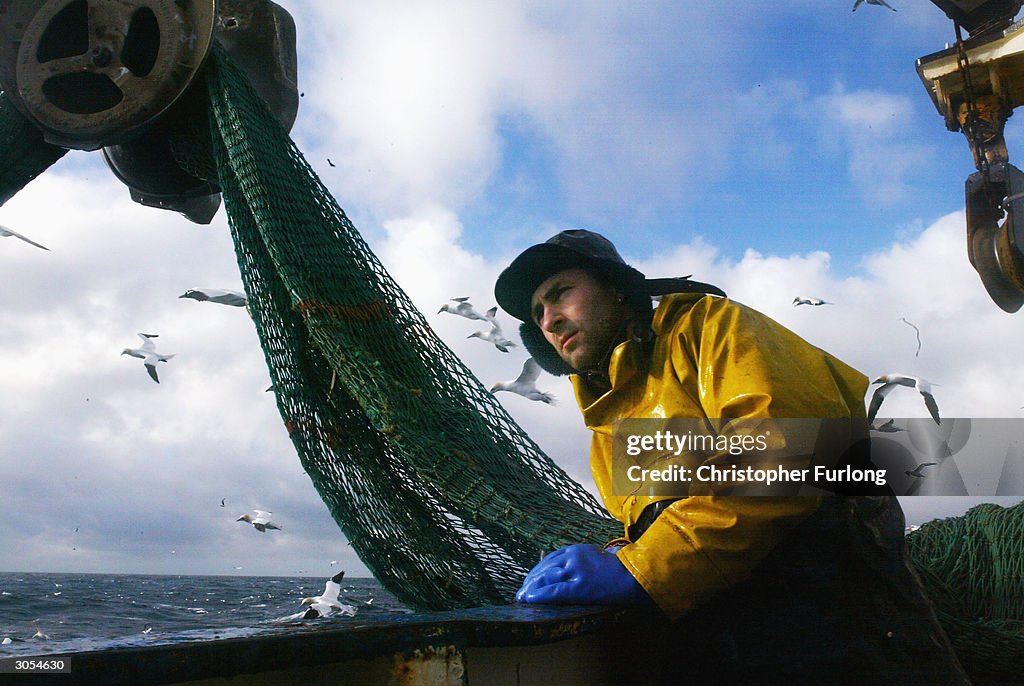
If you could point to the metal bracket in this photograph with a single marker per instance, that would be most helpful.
(994, 248)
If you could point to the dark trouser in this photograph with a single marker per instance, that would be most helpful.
(835, 603)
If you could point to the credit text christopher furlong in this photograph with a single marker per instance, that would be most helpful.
(668, 443)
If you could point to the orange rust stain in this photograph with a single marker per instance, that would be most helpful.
(373, 310)
(331, 434)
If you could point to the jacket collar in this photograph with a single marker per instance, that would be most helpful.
(627, 361)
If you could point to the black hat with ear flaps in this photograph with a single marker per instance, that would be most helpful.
(567, 250)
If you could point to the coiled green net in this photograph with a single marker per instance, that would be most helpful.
(972, 568)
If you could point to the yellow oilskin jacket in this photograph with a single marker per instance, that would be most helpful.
(710, 358)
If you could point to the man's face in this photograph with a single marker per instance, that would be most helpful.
(578, 315)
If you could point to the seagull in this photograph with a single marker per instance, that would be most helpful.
(888, 427)
(916, 472)
(260, 520)
(148, 354)
(222, 501)
(464, 309)
(326, 603)
(216, 295)
(891, 381)
(6, 233)
(802, 300)
(494, 336)
(525, 385)
(883, 3)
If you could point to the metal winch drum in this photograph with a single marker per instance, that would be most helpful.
(122, 75)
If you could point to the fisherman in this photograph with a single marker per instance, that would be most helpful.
(751, 589)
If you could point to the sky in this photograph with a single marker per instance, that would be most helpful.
(775, 149)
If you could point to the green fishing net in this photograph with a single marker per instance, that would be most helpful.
(442, 495)
(24, 154)
(972, 568)
(444, 498)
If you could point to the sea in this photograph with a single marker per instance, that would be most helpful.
(44, 613)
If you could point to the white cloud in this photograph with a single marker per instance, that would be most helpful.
(967, 342)
(406, 95)
(409, 100)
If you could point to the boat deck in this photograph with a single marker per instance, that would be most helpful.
(494, 646)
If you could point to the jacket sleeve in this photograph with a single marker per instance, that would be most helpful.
(745, 366)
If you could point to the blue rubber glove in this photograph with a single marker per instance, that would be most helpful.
(582, 574)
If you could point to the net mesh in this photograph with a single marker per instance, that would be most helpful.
(972, 568)
(442, 495)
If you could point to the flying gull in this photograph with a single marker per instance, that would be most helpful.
(888, 427)
(881, 3)
(216, 295)
(260, 520)
(465, 309)
(891, 381)
(7, 233)
(526, 384)
(148, 354)
(495, 337)
(916, 472)
(803, 300)
(327, 603)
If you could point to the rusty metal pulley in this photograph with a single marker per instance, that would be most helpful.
(125, 75)
(90, 73)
